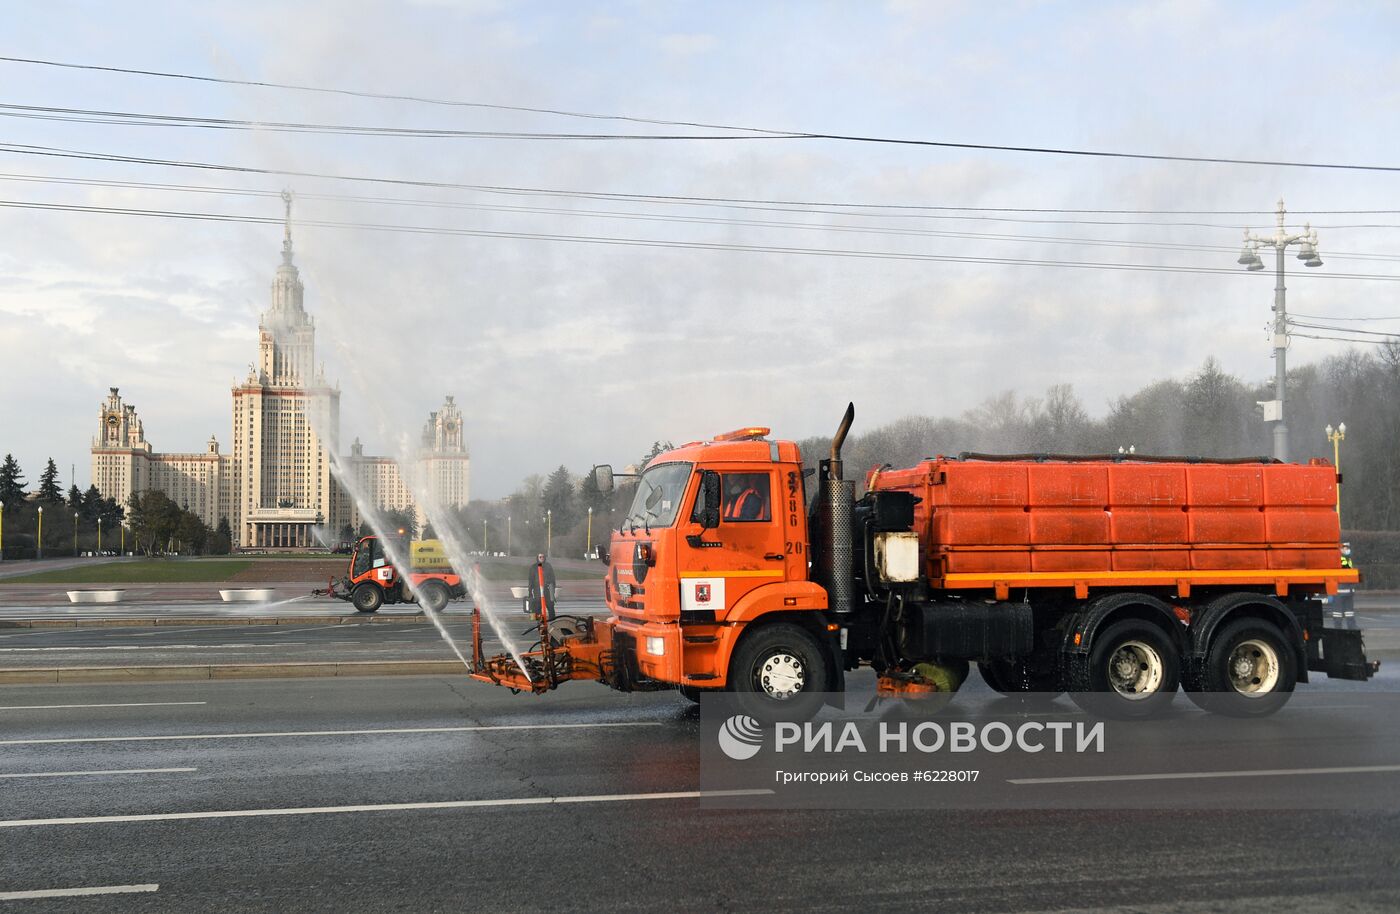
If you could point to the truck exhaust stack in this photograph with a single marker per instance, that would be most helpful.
(834, 517)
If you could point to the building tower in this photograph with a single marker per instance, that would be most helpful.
(285, 416)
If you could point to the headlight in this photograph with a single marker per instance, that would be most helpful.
(656, 646)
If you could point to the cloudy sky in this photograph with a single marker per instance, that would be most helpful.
(576, 349)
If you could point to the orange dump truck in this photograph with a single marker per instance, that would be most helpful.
(1119, 579)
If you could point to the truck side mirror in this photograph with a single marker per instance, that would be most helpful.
(603, 478)
(708, 500)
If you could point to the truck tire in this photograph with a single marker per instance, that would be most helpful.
(1132, 671)
(1249, 671)
(367, 598)
(689, 693)
(433, 595)
(778, 672)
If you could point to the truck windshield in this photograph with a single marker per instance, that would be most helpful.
(659, 493)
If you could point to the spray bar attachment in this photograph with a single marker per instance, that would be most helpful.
(569, 647)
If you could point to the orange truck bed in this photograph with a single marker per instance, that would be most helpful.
(1005, 524)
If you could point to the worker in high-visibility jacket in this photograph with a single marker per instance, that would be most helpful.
(745, 504)
(542, 588)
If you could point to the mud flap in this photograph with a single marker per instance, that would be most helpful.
(1341, 654)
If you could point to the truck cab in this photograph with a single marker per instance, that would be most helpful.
(374, 577)
(714, 546)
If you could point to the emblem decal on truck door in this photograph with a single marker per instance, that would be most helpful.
(702, 593)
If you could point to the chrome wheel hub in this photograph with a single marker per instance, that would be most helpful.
(1135, 670)
(781, 676)
(1253, 668)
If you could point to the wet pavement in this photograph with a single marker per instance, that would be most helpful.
(440, 794)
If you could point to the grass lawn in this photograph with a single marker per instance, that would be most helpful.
(142, 571)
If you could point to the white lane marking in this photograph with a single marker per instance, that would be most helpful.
(160, 630)
(146, 647)
(124, 704)
(386, 807)
(1197, 775)
(73, 774)
(395, 731)
(69, 893)
(49, 631)
(278, 630)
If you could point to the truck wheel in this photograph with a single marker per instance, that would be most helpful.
(367, 598)
(689, 693)
(1250, 671)
(434, 596)
(778, 672)
(1133, 672)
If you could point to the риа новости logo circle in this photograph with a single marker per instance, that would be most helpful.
(740, 737)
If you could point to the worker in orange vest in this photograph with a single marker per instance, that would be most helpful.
(746, 506)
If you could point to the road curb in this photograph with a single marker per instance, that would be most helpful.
(148, 621)
(232, 671)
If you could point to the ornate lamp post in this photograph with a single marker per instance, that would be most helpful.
(1337, 437)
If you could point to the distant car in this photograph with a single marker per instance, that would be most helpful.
(344, 547)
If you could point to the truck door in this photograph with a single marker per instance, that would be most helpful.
(720, 566)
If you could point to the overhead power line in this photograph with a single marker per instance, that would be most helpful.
(1320, 317)
(1293, 323)
(866, 210)
(139, 119)
(662, 217)
(803, 134)
(661, 243)
(1343, 339)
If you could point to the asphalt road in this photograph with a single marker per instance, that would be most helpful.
(577, 800)
(289, 642)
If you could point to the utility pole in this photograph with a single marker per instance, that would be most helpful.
(1249, 258)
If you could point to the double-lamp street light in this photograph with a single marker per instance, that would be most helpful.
(1249, 259)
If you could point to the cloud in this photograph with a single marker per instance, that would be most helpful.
(572, 352)
(686, 45)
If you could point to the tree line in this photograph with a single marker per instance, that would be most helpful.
(1208, 413)
(86, 521)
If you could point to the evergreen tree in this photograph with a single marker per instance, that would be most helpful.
(75, 498)
(111, 513)
(11, 482)
(92, 503)
(558, 499)
(49, 492)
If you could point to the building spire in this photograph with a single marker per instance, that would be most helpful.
(287, 229)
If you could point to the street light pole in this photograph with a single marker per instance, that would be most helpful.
(483, 535)
(1249, 258)
(75, 534)
(99, 534)
(549, 532)
(1337, 437)
(588, 545)
(507, 535)
(39, 543)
